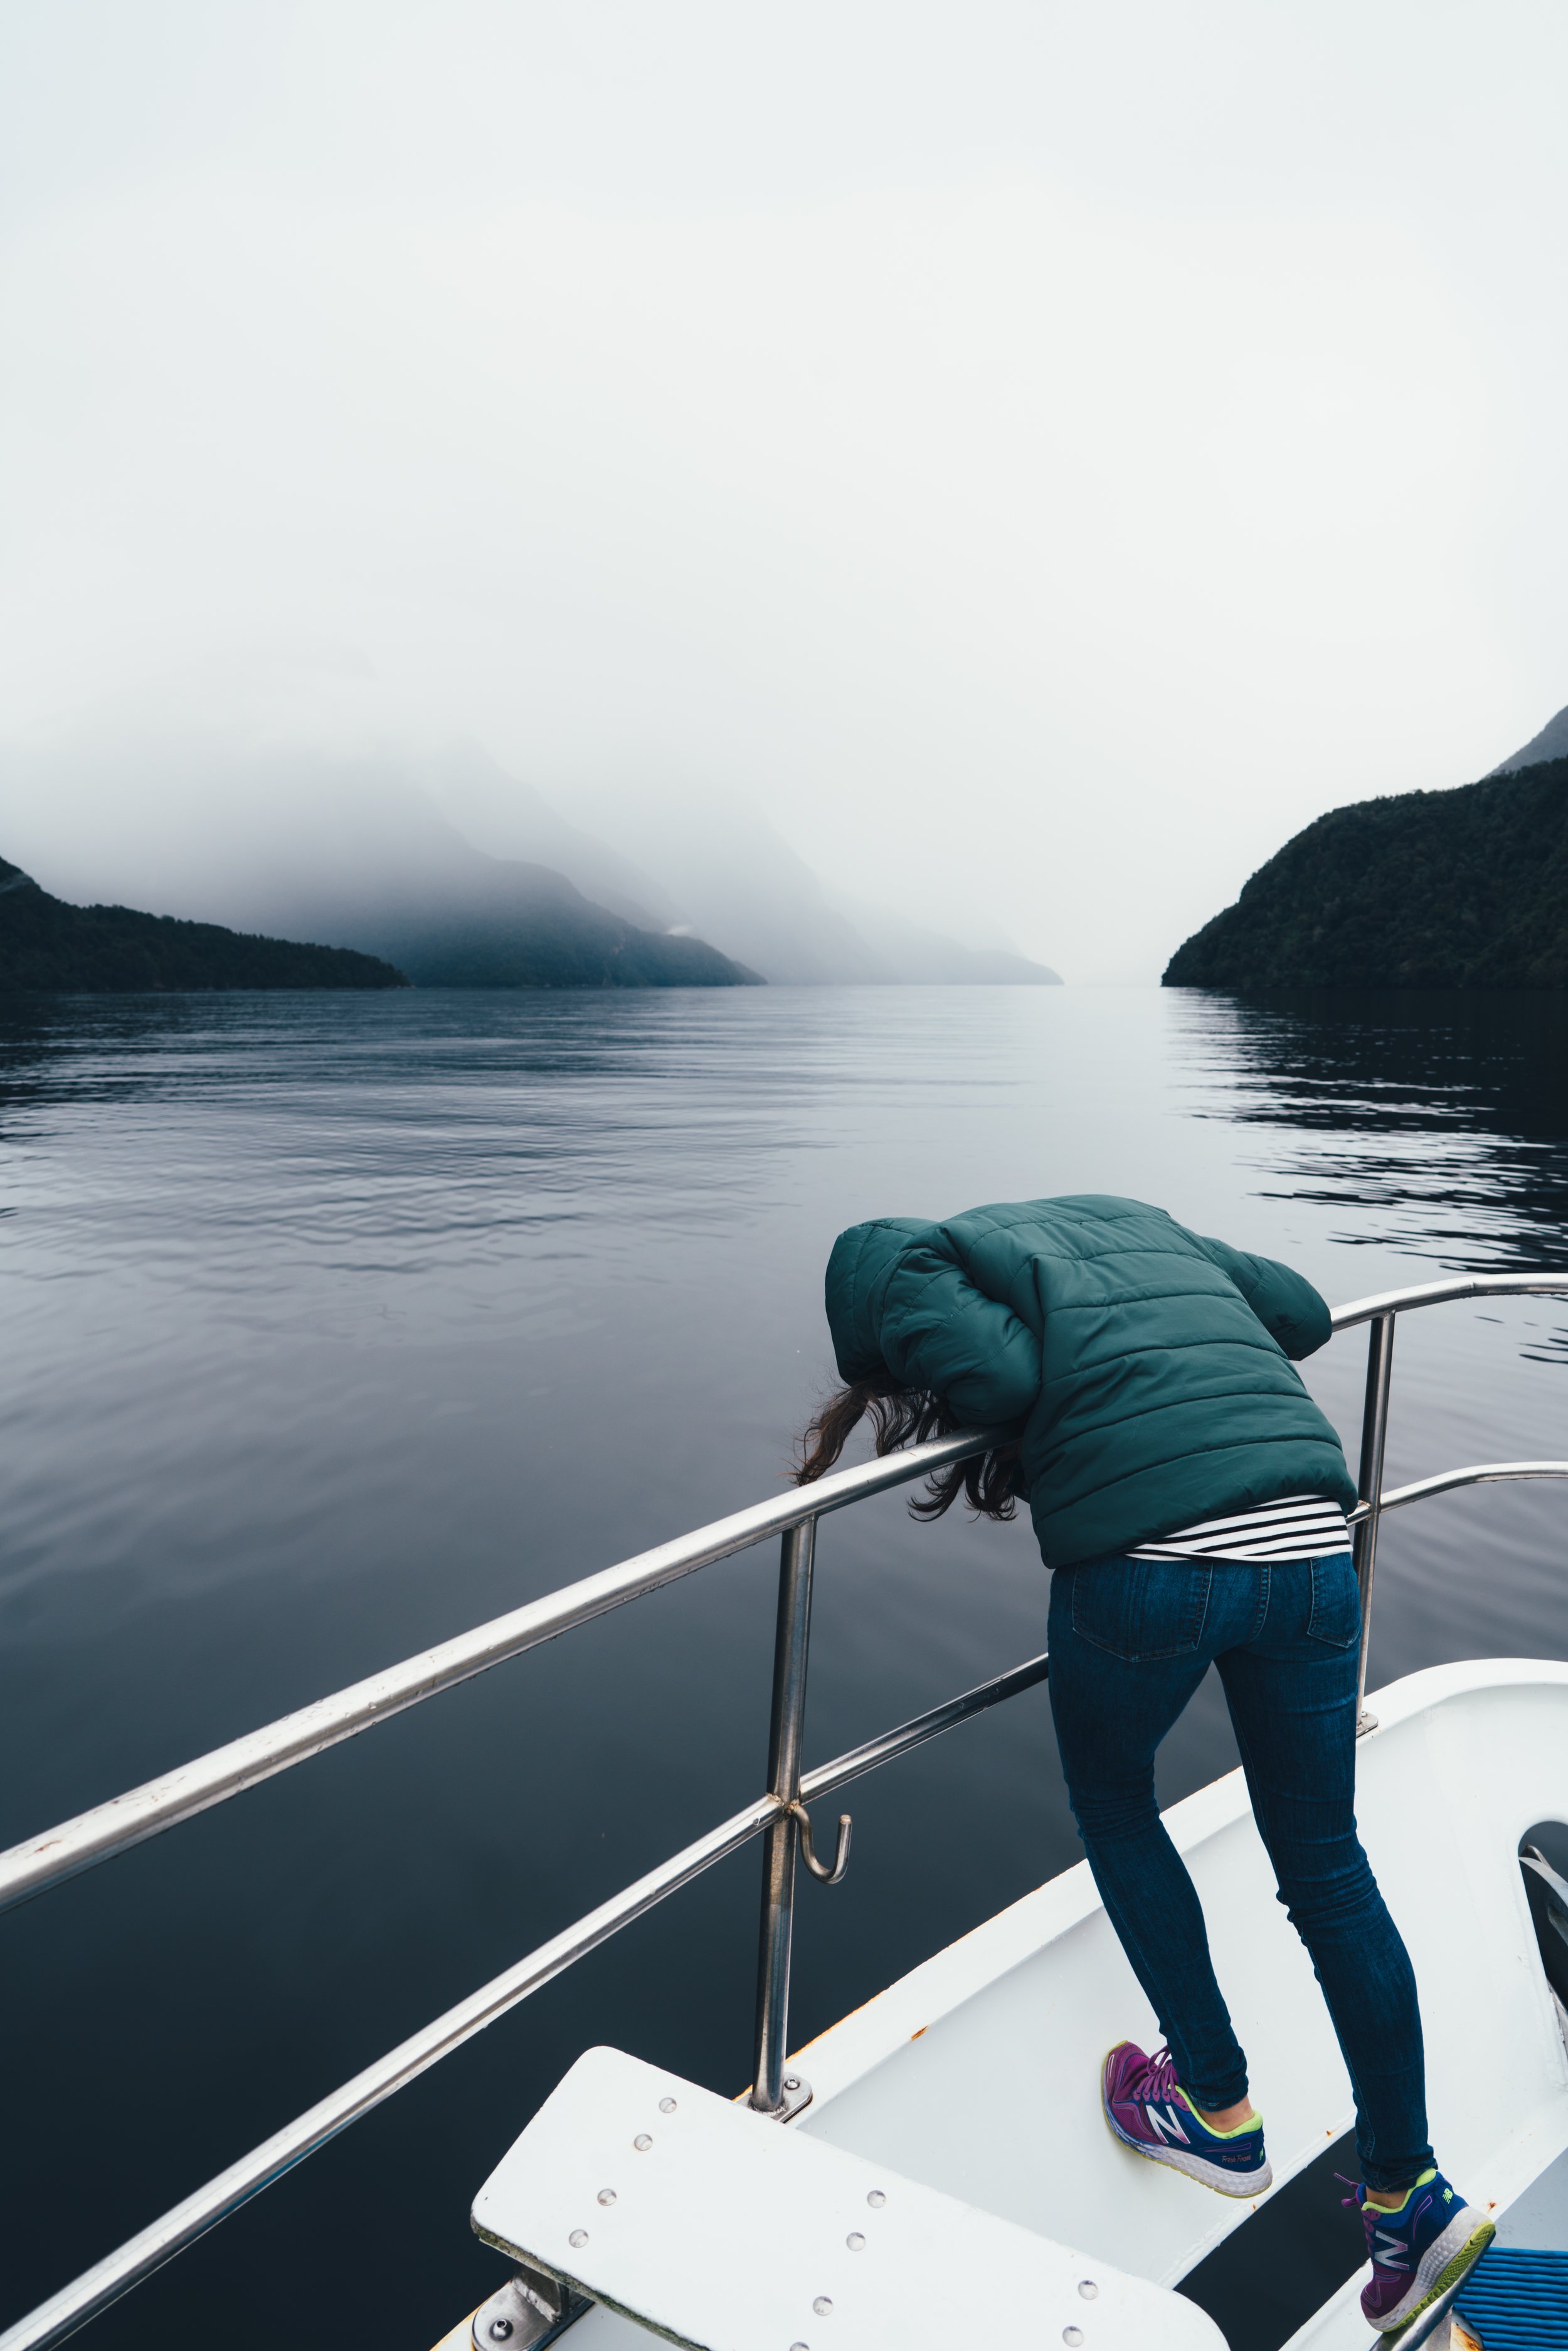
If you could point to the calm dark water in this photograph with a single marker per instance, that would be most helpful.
(333, 1326)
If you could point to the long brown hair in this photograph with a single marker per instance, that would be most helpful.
(903, 1415)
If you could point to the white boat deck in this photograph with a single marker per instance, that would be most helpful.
(712, 2225)
(977, 2074)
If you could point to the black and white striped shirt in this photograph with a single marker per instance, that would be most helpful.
(1302, 1526)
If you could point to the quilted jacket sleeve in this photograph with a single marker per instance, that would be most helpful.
(1284, 1301)
(898, 1297)
(938, 1330)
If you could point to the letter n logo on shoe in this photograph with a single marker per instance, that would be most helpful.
(1387, 2249)
(1165, 2126)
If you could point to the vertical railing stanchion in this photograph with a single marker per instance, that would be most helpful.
(791, 1643)
(1369, 1486)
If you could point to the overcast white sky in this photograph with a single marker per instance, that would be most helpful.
(1042, 454)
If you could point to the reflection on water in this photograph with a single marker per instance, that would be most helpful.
(1436, 1121)
(335, 1325)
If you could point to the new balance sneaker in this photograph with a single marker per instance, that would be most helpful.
(1418, 2250)
(1150, 2112)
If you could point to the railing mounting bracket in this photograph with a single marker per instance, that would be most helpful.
(797, 2098)
(529, 2311)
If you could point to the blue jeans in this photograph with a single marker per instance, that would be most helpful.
(1130, 1640)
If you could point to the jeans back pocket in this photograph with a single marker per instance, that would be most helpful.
(1142, 1609)
(1335, 1618)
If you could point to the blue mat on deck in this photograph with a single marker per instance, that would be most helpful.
(1516, 2300)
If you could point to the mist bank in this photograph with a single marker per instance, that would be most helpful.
(465, 875)
(47, 948)
(464, 920)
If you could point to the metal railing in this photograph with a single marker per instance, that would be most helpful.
(108, 1829)
(1380, 1312)
(780, 1816)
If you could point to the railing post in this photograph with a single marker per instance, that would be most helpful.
(791, 1642)
(1369, 1487)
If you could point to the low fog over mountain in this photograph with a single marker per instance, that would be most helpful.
(463, 874)
(1044, 455)
(712, 863)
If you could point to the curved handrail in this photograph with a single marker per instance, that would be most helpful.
(1441, 1294)
(1486, 1473)
(96, 2288)
(113, 1827)
(1382, 1312)
(124, 1821)
(118, 2271)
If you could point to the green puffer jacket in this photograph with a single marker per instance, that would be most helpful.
(1143, 1367)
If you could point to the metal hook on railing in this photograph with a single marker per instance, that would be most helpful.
(820, 1869)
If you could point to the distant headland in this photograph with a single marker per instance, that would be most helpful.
(505, 924)
(49, 947)
(463, 874)
(1467, 888)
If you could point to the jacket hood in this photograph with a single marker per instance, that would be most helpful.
(862, 1261)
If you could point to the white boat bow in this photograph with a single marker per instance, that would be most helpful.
(973, 2082)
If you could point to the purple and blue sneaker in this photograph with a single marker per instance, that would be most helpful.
(1418, 2250)
(1150, 2112)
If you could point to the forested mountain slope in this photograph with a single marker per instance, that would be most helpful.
(47, 945)
(1454, 889)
